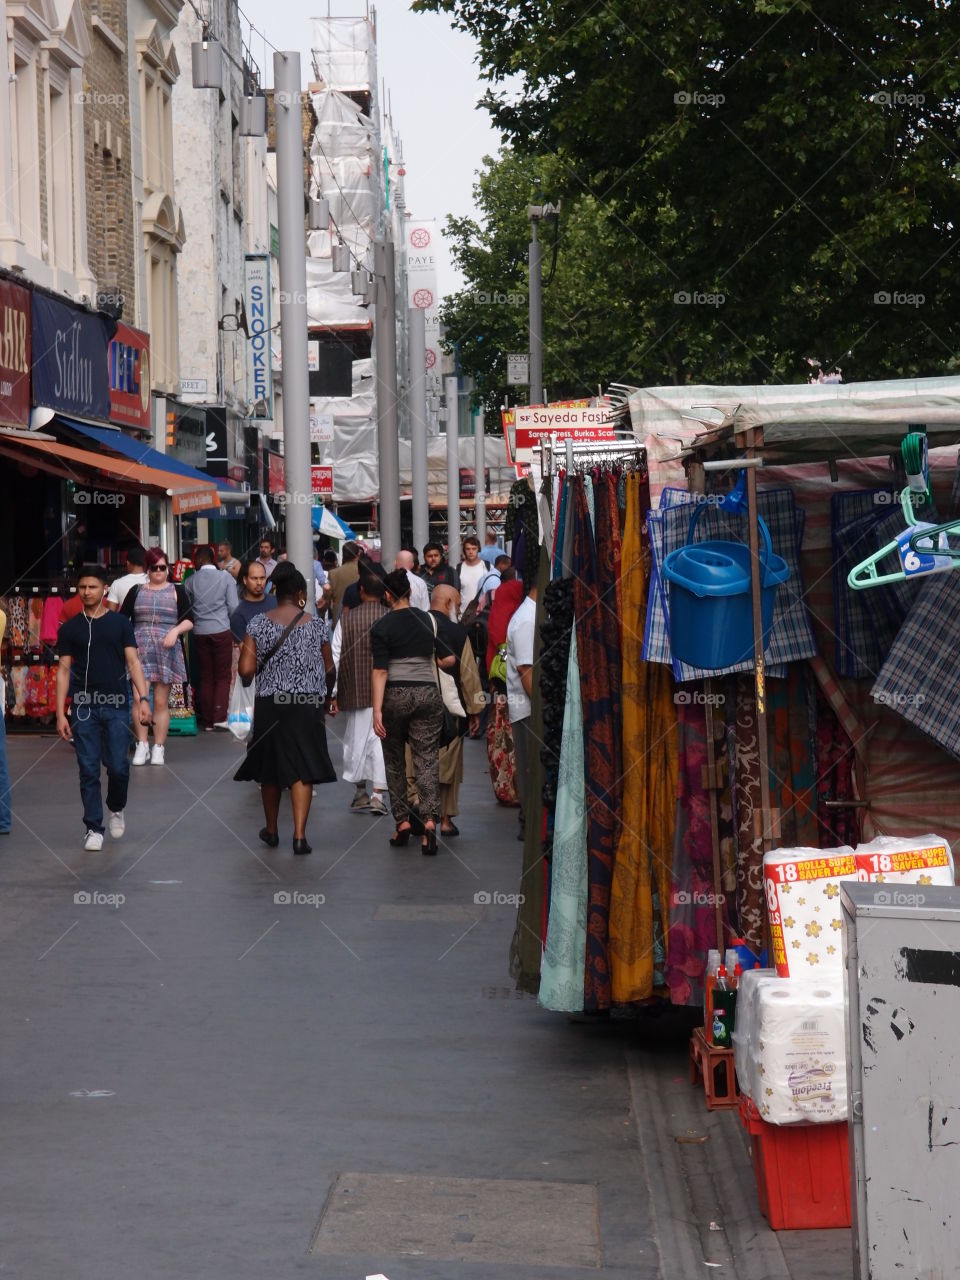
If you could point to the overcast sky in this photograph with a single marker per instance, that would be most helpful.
(430, 74)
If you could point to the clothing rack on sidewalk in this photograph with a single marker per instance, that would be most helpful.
(580, 453)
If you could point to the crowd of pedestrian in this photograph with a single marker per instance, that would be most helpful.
(413, 659)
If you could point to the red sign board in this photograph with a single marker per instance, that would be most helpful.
(538, 423)
(321, 482)
(14, 355)
(128, 367)
(277, 474)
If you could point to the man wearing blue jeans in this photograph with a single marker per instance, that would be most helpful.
(97, 653)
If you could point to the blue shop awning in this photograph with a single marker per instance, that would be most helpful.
(142, 453)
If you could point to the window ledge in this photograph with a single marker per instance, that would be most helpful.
(108, 36)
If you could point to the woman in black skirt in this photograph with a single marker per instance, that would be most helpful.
(289, 653)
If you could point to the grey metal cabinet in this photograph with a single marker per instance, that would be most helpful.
(902, 980)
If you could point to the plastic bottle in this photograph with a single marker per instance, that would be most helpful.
(709, 982)
(724, 1009)
(731, 958)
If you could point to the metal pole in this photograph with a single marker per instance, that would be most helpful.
(536, 315)
(480, 488)
(388, 442)
(417, 356)
(453, 471)
(293, 314)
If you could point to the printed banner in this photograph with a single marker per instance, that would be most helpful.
(70, 364)
(321, 482)
(14, 355)
(422, 293)
(256, 287)
(128, 369)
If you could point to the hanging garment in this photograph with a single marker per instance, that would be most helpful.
(18, 622)
(919, 679)
(558, 541)
(564, 956)
(792, 755)
(34, 621)
(18, 679)
(645, 847)
(791, 636)
(36, 692)
(599, 656)
(692, 910)
(527, 943)
(745, 773)
(835, 779)
(555, 633)
(50, 619)
(500, 757)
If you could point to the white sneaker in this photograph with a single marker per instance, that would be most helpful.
(116, 825)
(93, 841)
(142, 753)
(156, 755)
(377, 805)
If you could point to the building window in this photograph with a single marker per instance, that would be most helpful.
(25, 138)
(60, 158)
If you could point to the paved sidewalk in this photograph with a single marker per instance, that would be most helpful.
(222, 1075)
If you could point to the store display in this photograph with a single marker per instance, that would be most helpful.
(803, 905)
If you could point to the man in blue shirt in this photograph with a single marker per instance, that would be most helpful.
(97, 653)
(491, 549)
(212, 593)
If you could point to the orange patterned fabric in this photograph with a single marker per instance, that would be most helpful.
(645, 848)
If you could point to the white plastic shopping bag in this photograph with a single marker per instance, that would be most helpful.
(240, 711)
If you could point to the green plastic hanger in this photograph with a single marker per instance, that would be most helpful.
(915, 559)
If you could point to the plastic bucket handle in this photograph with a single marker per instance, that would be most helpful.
(761, 523)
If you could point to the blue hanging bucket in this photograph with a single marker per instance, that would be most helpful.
(711, 609)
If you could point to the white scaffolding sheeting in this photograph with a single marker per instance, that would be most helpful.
(343, 51)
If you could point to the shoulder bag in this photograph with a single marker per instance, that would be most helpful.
(448, 686)
(274, 648)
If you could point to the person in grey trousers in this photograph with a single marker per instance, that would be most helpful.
(212, 593)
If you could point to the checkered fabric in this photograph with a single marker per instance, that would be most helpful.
(852, 725)
(862, 521)
(791, 637)
(918, 680)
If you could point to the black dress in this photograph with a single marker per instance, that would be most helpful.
(289, 738)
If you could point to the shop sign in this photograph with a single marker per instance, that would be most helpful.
(259, 361)
(540, 423)
(128, 369)
(193, 386)
(15, 338)
(321, 482)
(321, 426)
(468, 481)
(277, 475)
(70, 365)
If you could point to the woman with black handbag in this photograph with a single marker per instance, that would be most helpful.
(408, 707)
(289, 653)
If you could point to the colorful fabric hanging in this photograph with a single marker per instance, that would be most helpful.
(645, 847)
(564, 957)
(692, 907)
(599, 655)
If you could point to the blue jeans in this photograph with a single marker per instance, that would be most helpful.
(102, 735)
(5, 815)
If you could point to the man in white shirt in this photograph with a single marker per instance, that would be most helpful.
(419, 591)
(470, 572)
(521, 634)
(135, 576)
(491, 580)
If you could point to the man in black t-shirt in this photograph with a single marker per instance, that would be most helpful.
(97, 651)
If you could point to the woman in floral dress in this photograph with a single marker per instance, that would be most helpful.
(160, 613)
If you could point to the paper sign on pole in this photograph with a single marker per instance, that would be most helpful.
(321, 482)
(321, 425)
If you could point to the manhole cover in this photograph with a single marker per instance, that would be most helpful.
(545, 1224)
(441, 912)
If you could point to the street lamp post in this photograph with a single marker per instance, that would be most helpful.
(417, 403)
(388, 442)
(293, 314)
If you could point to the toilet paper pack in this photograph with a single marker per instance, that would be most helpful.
(803, 906)
(906, 860)
(790, 1049)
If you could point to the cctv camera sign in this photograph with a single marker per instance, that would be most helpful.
(257, 300)
(14, 355)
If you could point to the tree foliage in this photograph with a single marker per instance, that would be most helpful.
(766, 184)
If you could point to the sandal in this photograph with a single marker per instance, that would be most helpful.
(400, 837)
(452, 830)
(429, 846)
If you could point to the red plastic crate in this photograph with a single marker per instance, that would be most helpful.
(802, 1171)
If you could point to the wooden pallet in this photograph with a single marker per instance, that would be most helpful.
(714, 1066)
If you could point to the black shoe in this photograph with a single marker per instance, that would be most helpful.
(301, 846)
(430, 838)
(449, 832)
(400, 838)
(269, 838)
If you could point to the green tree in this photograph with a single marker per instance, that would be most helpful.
(776, 184)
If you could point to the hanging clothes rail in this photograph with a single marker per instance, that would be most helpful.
(568, 454)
